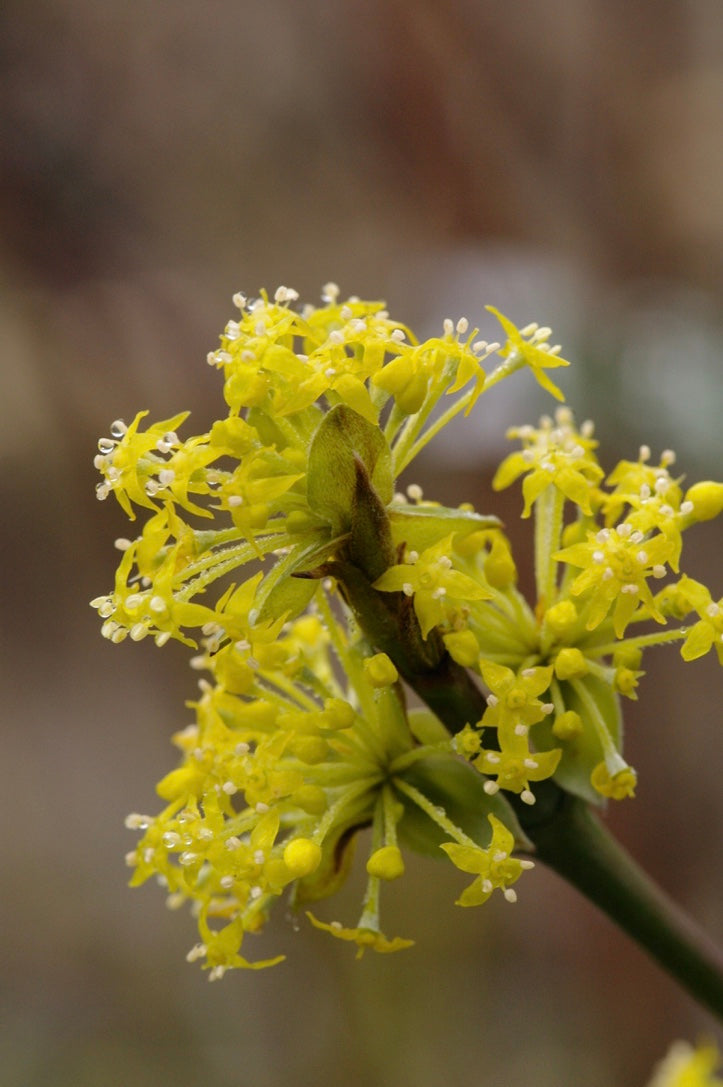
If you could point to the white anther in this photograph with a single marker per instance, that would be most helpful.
(491, 787)
(529, 330)
(171, 838)
(644, 453)
(713, 610)
(412, 556)
(686, 507)
(162, 637)
(197, 952)
(527, 673)
(608, 573)
(510, 894)
(527, 796)
(598, 557)
(439, 592)
(521, 730)
(624, 530)
(166, 476)
(187, 858)
(630, 588)
(462, 326)
(255, 892)
(398, 335)
(157, 605)
(229, 788)
(415, 492)
(118, 428)
(492, 699)
(233, 843)
(667, 457)
(642, 557)
(261, 808)
(408, 588)
(329, 293)
(135, 821)
(530, 764)
(227, 882)
(285, 294)
(448, 326)
(659, 570)
(603, 535)
(336, 337)
(492, 758)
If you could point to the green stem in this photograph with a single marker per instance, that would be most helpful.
(574, 843)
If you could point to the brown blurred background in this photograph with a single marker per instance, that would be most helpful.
(561, 159)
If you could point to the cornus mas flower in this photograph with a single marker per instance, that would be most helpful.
(354, 593)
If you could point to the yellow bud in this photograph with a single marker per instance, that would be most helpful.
(181, 782)
(310, 798)
(300, 521)
(302, 856)
(568, 725)
(380, 670)
(386, 863)
(626, 680)
(462, 647)
(570, 663)
(310, 749)
(499, 566)
(617, 786)
(573, 533)
(561, 618)
(707, 499)
(411, 397)
(337, 713)
(468, 742)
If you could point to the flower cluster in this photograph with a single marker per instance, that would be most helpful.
(353, 592)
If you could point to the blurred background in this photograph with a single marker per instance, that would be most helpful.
(561, 159)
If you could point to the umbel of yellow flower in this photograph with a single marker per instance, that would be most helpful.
(353, 592)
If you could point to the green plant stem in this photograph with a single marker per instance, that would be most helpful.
(573, 842)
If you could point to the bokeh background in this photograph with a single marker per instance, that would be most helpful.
(561, 159)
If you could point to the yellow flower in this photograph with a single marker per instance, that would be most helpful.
(555, 454)
(530, 347)
(364, 938)
(616, 564)
(708, 631)
(494, 868)
(433, 583)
